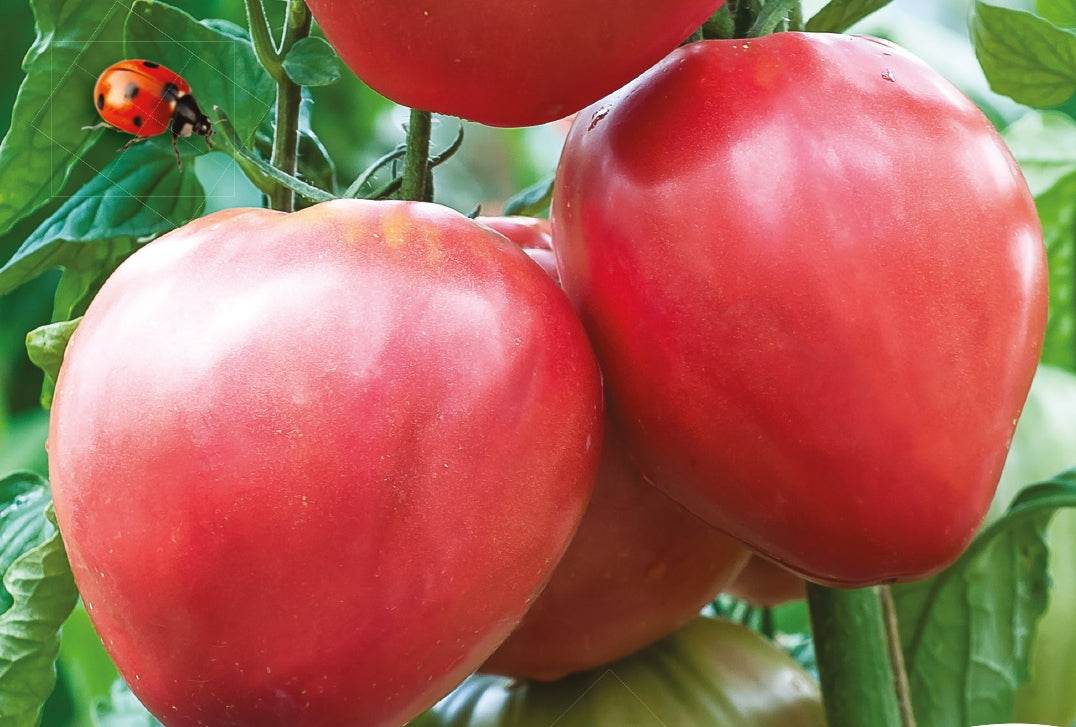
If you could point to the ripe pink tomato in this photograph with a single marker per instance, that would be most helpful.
(640, 566)
(762, 583)
(311, 469)
(816, 284)
(505, 63)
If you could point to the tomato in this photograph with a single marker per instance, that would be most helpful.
(295, 460)
(762, 583)
(816, 284)
(1042, 448)
(736, 678)
(505, 64)
(639, 567)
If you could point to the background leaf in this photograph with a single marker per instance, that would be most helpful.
(76, 40)
(313, 62)
(122, 709)
(967, 632)
(1059, 12)
(45, 346)
(42, 594)
(1045, 146)
(1024, 56)
(532, 201)
(218, 63)
(840, 15)
(142, 193)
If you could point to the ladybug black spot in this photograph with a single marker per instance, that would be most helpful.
(137, 121)
(132, 91)
(151, 64)
(100, 101)
(170, 92)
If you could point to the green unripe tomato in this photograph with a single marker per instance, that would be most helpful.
(709, 673)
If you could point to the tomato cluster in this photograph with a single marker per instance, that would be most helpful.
(315, 469)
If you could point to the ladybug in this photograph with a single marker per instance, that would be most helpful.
(146, 99)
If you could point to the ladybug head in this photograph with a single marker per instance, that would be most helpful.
(202, 126)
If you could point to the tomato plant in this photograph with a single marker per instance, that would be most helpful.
(795, 354)
(323, 441)
(505, 64)
(312, 465)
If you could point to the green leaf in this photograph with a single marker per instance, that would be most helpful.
(773, 13)
(45, 346)
(312, 62)
(840, 15)
(142, 193)
(1024, 56)
(122, 709)
(263, 174)
(1059, 12)
(41, 593)
(532, 201)
(967, 632)
(219, 64)
(76, 39)
(1045, 146)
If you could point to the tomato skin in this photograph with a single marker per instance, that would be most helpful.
(294, 460)
(639, 567)
(766, 584)
(817, 321)
(736, 678)
(505, 64)
(533, 235)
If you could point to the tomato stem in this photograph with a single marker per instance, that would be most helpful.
(795, 16)
(416, 174)
(896, 657)
(849, 637)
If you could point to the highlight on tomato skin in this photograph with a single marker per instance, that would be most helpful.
(327, 429)
(771, 368)
(505, 64)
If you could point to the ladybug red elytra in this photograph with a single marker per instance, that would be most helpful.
(146, 99)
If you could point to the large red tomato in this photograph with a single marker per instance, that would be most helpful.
(640, 566)
(505, 63)
(816, 283)
(311, 469)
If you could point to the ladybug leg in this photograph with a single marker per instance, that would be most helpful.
(175, 143)
(175, 149)
(131, 142)
(98, 125)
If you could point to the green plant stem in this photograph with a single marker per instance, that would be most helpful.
(415, 185)
(746, 12)
(289, 95)
(896, 657)
(795, 16)
(773, 14)
(262, 37)
(849, 637)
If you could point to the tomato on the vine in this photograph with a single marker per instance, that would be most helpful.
(709, 673)
(505, 63)
(815, 280)
(639, 567)
(313, 468)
